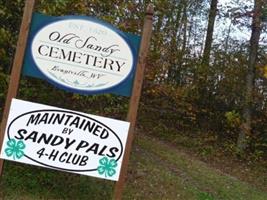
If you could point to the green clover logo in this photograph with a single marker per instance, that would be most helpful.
(15, 148)
(107, 166)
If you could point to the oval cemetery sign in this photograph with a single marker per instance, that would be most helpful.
(82, 54)
(64, 140)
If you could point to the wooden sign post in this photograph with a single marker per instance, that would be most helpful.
(16, 68)
(136, 91)
(135, 98)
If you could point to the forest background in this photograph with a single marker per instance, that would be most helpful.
(205, 86)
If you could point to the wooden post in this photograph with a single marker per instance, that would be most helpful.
(135, 98)
(16, 68)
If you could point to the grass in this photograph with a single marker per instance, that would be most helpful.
(156, 171)
(29, 182)
(186, 178)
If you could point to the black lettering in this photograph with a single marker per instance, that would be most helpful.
(40, 152)
(61, 159)
(41, 48)
(75, 122)
(76, 57)
(55, 141)
(81, 124)
(93, 148)
(82, 144)
(20, 132)
(87, 58)
(54, 36)
(96, 130)
(53, 114)
(104, 134)
(58, 119)
(108, 62)
(119, 65)
(68, 118)
(109, 50)
(65, 55)
(83, 43)
(53, 154)
(67, 39)
(44, 118)
(53, 52)
(68, 143)
(68, 159)
(113, 152)
(98, 48)
(83, 161)
(90, 126)
(98, 60)
(32, 136)
(33, 119)
(101, 152)
(46, 139)
(76, 159)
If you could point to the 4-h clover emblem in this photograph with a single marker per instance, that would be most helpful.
(107, 166)
(15, 148)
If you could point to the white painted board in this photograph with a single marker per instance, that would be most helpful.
(65, 140)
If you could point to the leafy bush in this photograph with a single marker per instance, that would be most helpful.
(3, 90)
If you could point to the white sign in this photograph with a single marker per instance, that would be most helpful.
(83, 55)
(65, 140)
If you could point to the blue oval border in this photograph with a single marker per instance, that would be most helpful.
(86, 18)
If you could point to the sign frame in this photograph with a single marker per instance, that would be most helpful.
(50, 21)
(136, 92)
(16, 68)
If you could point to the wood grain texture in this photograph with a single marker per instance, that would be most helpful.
(16, 68)
(135, 98)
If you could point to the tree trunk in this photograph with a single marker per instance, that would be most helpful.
(208, 42)
(178, 77)
(245, 130)
(175, 23)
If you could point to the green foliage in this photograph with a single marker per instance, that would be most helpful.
(205, 196)
(264, 14)
(3, 90)
(233, 118)
(184, 101)
(109, 105)
(5, 37)
(62, 7)
(181, 96)
(4, 79)
(156, 171)
(10, 15)
(39, 183)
